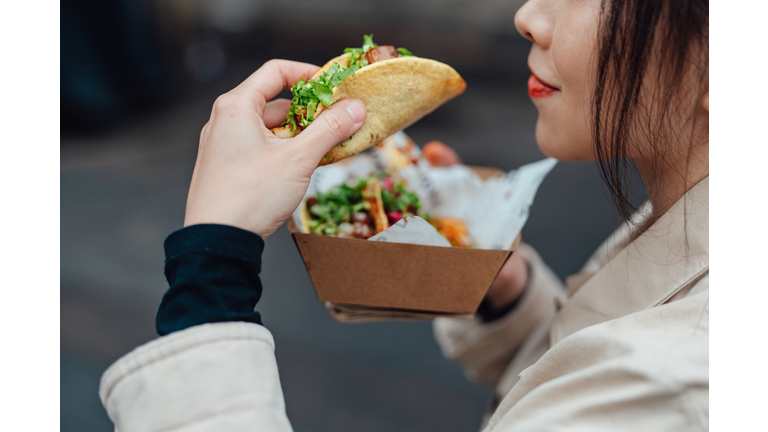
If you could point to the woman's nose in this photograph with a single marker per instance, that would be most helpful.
(534, 21)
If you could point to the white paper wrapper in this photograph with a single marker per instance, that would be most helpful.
(495, 209)
(414, 230)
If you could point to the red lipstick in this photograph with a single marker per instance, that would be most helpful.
(538, 88)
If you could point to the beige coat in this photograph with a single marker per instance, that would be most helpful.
(628, 349)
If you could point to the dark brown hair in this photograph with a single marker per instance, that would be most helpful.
(666, 43)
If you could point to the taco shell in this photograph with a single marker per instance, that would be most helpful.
(372, 193)
(397, 93)
(342, 60)
(304, 216)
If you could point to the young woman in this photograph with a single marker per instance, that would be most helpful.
(624, 348)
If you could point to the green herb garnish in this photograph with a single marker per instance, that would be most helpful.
(308, 95)
(357, 55)
(337, 206)
(404, 52)
(323, 92)
(401, 200)
(368, 42)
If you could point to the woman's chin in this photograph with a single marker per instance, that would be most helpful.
(564, 148)
(548, 143)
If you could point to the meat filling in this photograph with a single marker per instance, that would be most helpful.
(362, 227)
(379, 53)
(299, 114)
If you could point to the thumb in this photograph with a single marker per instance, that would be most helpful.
(333, 126)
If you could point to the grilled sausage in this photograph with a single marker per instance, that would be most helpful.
(379, 53)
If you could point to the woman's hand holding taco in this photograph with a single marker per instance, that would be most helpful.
(244, 175)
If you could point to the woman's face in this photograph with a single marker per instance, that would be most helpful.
(562, 63)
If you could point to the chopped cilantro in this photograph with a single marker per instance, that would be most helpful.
(323, 92)
(336, 207)
(331, 70)
(338, 77)
(387, 198)
(308, 95)
(401, 200)
(368, 42)
(356, 57)
(404, 52)
(311, 107)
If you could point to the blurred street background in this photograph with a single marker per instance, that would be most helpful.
(138, 79)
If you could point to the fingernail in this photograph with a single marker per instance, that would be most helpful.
(357, 110)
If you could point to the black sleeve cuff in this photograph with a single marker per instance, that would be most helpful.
(213, 276)
(488, 313)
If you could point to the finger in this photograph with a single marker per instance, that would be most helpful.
(273, 77)
(333, 126)
(275, 111)
(440, 155)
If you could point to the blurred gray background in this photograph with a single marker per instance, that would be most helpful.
(138, 79)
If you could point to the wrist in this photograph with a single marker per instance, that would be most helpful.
(487, 312)
(254, 225)
(509, 284)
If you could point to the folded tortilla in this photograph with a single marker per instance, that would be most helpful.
(371, 194)
(396, 92)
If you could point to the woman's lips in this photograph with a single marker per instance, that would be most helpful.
(538, 88)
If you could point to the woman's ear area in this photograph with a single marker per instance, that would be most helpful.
(705, 101)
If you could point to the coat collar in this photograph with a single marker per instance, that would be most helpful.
(647, 271)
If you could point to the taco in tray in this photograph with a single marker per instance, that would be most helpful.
(396, 87)
(346, 211)
(374, 204)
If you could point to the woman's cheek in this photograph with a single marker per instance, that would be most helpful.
(566, 129)
(577, 126)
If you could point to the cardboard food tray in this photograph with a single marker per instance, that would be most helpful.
(384, 275)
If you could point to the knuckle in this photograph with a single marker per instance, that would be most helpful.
(335, 123)
(226, 103)
(272, 63)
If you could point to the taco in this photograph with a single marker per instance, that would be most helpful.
(346, 211)
(396, 87)
(374, 204)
